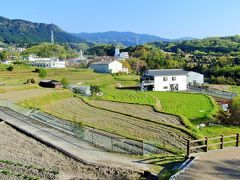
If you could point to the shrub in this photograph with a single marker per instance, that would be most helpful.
(42, 73)
(28, 81)
(33, 81)
(78, 128)
(235, 111)
(10, 68)
(37, 70)
(65, 82)
(94, 90)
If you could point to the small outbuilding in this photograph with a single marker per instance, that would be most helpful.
(50, 84)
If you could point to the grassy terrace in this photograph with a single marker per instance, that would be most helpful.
(235, 89)
(194, 108)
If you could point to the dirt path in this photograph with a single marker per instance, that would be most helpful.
(218, 164)
(19, 148)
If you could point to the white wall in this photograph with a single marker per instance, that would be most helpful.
(195, 77)
(115, 67)
(48, 64)
(159, 84)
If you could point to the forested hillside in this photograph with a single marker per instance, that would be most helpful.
(25, 32)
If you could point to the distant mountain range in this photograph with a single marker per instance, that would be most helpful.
(20, 31)
(124, 38)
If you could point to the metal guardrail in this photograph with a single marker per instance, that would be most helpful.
(209, 142)
(213, 92)
(102, 139)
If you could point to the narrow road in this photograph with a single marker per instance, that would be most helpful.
(67, 143)
(216, 164)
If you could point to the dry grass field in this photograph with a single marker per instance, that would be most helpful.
(139, 111)
(17, 96)
(117, 123)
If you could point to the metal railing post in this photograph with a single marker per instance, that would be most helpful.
(188, 147)
(222, 142)
(237, 140)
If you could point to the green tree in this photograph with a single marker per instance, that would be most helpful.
(3, 55)
(125, 64)
(65, 82)
(235, 111)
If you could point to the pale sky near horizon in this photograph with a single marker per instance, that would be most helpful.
(165, 18)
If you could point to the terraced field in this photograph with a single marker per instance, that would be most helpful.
(17, 96)
(193, 106)
(117, 123)
(140, 111)
(128, 96)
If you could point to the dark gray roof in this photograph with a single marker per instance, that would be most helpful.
(50, 81)
(102, 62)
(166, 72)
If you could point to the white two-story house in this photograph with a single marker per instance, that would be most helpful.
(170, 80)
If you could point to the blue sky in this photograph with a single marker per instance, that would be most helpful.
(165, 18)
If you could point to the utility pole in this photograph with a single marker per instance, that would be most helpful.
(52, 37)
(137, 40)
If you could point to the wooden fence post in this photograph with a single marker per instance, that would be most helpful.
(222, 142)
(237, 138)
(206, 143)
(188, 147)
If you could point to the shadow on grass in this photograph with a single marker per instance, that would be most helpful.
(166, 163)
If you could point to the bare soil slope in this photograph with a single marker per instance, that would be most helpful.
(17, 147)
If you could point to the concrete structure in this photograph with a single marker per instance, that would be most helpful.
(107, 67)
(46, 62)
(170, 80)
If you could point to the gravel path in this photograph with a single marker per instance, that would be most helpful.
(217, 164)
(17, 147)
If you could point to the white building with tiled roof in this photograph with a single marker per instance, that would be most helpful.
(170, 80)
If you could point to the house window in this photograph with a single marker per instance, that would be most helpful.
(165, 78)
(174, 78)
(165, 87)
